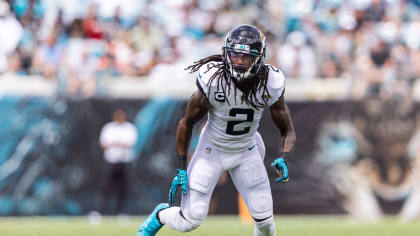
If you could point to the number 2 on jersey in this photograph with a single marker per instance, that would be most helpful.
(230, 124)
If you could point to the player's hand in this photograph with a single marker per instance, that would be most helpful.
(181, 179)
(280, 165)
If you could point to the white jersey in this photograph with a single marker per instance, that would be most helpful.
(231, 126)
(119, 138)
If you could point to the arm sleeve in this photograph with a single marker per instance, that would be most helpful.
(203, 77)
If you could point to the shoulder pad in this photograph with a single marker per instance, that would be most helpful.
(204, 74)
(206, 71)
(276, 79)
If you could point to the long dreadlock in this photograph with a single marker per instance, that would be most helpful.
(249, 91)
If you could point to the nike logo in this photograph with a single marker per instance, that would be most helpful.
(249, 149)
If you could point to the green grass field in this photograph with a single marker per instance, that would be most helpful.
(219, 226)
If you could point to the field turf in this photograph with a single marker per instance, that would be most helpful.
(214, 226)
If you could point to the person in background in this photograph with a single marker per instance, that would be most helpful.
(13, 29)
(117, 139)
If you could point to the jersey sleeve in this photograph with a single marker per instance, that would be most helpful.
(203, 77)
(276, 85)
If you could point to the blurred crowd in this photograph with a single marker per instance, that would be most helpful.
(376, 43)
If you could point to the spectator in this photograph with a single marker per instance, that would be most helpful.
(117, 139)
(12, 28)
(47, 57)
(14, 64)
(91, 25)
(327, 39)
(296, 58)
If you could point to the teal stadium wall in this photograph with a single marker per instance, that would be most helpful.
(51, 162)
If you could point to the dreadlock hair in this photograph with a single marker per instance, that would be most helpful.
(249, 91)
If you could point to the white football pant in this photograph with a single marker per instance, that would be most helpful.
(248, 173)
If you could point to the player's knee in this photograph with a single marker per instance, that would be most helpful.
(261, 206)
(198, 213)
(186, 226)
(267, 227)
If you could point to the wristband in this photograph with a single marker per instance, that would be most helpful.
(285, 156)
(182, 162)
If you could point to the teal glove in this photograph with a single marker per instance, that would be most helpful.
(281, 168)
(181, 179)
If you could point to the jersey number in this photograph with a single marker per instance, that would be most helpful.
(230, 124)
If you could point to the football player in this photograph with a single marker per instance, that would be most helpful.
(232, 90)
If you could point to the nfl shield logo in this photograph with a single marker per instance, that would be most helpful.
(208, 149)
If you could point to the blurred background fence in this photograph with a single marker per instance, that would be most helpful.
(352, 70)
(356, 157)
